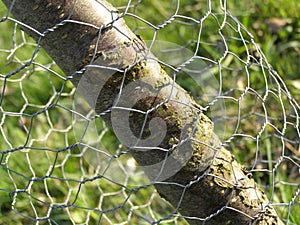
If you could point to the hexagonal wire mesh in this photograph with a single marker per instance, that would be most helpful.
(61, 164)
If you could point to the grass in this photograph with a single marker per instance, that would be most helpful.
(39, 141)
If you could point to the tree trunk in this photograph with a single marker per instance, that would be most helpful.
(166, 131)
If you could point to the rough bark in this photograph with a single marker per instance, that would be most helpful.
(211, 182)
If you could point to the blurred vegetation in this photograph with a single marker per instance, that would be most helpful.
(39, 100)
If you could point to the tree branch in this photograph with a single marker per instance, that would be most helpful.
(200, 178)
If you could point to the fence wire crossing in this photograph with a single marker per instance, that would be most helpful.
(61, 164)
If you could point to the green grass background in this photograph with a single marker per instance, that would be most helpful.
(39, 100)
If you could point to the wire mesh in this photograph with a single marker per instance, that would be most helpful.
(61, 164)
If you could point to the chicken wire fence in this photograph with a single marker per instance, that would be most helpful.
(61, 164)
